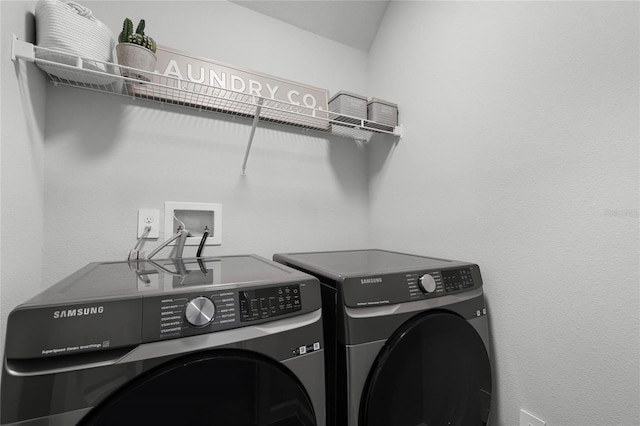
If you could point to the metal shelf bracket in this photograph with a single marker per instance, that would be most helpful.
(22, 50)
(256, 118)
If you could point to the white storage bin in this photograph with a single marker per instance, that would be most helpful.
(71, 29)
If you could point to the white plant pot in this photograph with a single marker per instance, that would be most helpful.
(138, 57)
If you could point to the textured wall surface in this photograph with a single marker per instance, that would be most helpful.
(22, 89)
(72, 185)
(521, 154)
(301, 191)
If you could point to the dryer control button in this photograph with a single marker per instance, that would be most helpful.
(427, 283)
(200, 311)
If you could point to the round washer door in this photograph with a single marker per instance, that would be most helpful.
(434, 370)
(231, 388)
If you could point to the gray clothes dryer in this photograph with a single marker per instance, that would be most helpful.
(406, 338)
(231, 341)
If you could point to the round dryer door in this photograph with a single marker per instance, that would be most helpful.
(231, 388)
(434, 370)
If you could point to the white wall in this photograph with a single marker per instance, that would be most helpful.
(102, 164)
(521, 154)
(99, 158)
(22, 89)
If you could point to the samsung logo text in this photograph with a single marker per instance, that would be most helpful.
(370, 280)
(79, 312)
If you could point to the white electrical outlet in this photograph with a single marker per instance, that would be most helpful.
(149, 217)
(528, 419)
(194, 217)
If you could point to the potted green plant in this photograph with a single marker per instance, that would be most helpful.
(136, 50)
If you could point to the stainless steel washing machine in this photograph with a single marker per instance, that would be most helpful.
(231, 341)
(407, 339)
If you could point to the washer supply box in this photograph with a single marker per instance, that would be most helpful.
(382, 112)
(349, 104)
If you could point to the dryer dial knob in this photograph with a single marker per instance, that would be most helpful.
(427, 283)
(200, 311)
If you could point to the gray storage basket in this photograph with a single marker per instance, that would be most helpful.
(382, 112)
(348, 104)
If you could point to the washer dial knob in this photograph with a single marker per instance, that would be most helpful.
(427, 283)
(200, 311)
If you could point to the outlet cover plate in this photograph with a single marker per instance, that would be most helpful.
(528, 419)
(215, 234)
(149, 217)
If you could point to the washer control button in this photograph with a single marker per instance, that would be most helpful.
(427, 283)
(200, 311)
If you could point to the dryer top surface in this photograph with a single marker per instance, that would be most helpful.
(362, 263)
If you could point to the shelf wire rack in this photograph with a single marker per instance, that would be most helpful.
(67, 69)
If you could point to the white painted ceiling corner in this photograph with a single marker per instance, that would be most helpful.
(351, 22)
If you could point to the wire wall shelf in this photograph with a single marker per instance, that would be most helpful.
(67, 69)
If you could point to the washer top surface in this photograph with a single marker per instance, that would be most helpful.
(112, 305)
(154, 277)
(354, 263)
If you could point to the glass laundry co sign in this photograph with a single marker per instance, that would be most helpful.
(204, 83)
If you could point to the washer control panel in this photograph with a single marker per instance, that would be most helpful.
(269, 302)
(181, 315)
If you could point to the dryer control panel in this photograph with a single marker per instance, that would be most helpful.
(439, 282)
(409, 286)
